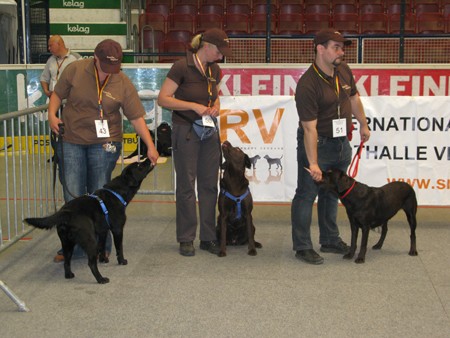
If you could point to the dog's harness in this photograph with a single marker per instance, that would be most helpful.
(238, 200)
(103, 206)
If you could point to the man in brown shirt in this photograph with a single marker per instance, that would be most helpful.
(326, 98)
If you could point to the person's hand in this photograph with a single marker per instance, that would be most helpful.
(48, 93)
(54, 123)
(212, 111)
(365, 134)
(315, 172)
(153, 155)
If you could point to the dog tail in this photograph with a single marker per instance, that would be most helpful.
(49, 222)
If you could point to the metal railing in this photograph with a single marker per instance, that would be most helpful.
(28, 181)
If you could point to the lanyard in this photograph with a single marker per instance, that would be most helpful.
(336, 91)
(59, 65)
(209, 79)
(100, 91)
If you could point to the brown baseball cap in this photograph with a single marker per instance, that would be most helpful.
(218, 38)
(109, 53)
(328, 34)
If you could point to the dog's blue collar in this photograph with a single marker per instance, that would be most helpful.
(103, 206)
(237, 199)
(120, 198)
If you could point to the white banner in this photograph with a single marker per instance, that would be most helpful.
(410, 141)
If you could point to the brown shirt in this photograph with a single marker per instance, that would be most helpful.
(316, 97)
(78, 85)
(193, 85)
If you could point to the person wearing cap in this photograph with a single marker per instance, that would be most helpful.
(96, 91)
(326, 97)
(191, 91)
(61, 57)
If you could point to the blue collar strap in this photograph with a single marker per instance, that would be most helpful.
(120, 198)
(238, 200)
(103, 206)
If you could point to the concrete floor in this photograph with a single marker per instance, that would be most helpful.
(162, 294)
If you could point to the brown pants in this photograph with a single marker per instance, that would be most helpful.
(196, 162)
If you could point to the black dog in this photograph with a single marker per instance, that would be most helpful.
(369, 207)
(253, 160)
(235, 222)
(274, 161)
(87, 217)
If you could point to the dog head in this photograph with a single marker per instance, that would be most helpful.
(235, 158)
(136, 172)
(336, 180)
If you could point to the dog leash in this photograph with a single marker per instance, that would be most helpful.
(353, 171)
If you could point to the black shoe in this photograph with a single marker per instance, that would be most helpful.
(211, 246)
(187, 249)
(309, 256)
(340, 248)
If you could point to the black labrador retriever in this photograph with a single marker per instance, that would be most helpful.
(86, 220)
(235, 222)
(370, 207)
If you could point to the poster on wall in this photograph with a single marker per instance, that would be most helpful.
(409, 142)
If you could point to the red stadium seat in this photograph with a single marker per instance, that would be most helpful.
(409, 23)
(216, 9)
(290, 24)
(152, 21)
(345, 8)
(426, 7)
(163, 9)
(185, 9)
(236, 24)
(207, 21)
(316, 22)
(179, 35)
(168, 46)
(239, 9)
(375, 23)
(371, 8)
(317, 9)
(430, 23)
(258, 24)
(346, 23)
(181, 22)
(290, 8)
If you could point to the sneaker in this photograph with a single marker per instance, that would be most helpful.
(211, 246)
(58, 258)
(309, 256)
(340, 247)
(187, 249)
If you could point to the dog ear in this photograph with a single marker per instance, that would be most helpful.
(248, 163)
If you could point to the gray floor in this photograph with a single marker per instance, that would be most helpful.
(162, 294)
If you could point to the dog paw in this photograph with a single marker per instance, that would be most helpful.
(413, 253)
(69, 275)
(103, 280)
(122, 261)
(252, 252)
(222, 254)
(376, 247)
(348, 256)
(258, 245)
(103, 259)
(359, 260)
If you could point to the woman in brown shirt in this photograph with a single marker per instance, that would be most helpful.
(191, 92)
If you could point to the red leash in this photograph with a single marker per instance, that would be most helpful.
(353, 171)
